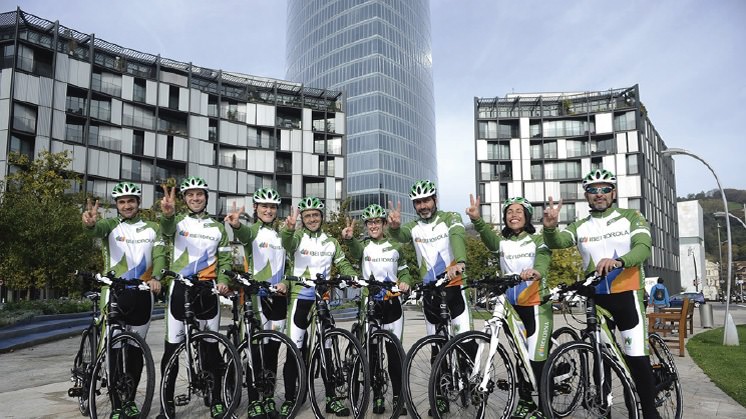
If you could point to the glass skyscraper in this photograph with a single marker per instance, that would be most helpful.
(378, 53)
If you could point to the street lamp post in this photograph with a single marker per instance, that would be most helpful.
(691, 253)
(675, 151)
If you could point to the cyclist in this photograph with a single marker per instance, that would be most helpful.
(522, 252)
(201, 248)
(438, 239)
(614, 242)
(312, 251)
(265, 260)
(383, 259)
(132, 248)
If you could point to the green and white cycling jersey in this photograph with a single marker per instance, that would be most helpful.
(381, 258)
(200, 246)
(132, 248)
(265, 256)
(616, 233)
(438, 242)
(313, 253)
(516, 254)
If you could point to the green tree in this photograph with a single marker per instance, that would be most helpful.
(41, 238)
(566, 267)
(480, 262)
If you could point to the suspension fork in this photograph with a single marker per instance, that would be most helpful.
(495, 324)
(598, 361)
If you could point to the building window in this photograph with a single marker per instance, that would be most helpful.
(24, 146)
(138, 143)
(24, 118)
(632, 164)
(138, 90)
(497, 151)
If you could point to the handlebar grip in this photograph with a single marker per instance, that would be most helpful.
(229, 273)
(166, 272)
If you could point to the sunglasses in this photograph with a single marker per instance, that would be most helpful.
(595, 190)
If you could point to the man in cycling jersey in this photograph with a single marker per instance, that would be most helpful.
(201, 248)
(132, 248)
(265, 260)
(614, 242)
(438, 239)
(312, 252)
(382, 258)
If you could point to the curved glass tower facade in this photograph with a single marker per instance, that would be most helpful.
(378, 53)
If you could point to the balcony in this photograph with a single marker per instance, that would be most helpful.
(284, 167)
(21, 123)
(105, 142)
(140, 121)
(102, 113)
(110, 89)
(233, 162)
(173, 127)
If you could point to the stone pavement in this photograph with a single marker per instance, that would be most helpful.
(35, 380)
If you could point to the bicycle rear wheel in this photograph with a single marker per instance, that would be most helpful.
(458, 373)
(81, 371)
(212, 379)
(338, 371)
(385, 361)
(562, 335)
(417, 367)
(668, 398)
(126, 381)
(568, 386)
(272, 352)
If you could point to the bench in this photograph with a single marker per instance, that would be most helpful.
(669, 321)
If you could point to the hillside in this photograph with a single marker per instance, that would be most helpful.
(711, 203)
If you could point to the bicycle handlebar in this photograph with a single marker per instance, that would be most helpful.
(585, 288)
(111, 279)
(249, 283)
(339, 281)
(499, 285)
(191, 280)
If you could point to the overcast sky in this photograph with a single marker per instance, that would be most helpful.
(687, 56)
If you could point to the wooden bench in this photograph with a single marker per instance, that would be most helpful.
(669, 321)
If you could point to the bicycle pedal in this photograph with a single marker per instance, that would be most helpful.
(75, 392)
(181, 400)
(503, 385)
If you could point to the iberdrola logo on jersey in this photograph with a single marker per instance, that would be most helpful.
(380, 259)
(184, 233)
(120, 238)
(430, 239)
(268, 245)
(306, 252)
(198, 236)
(263, 245)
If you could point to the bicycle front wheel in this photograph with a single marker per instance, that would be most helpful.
(212, 381)
(417, 367)
(386, 359)
(568, 385)
(466, 382)
(338, 376)
(81, 371)
(668, 394)
(125, 381)
(562, 335)
(264, 379)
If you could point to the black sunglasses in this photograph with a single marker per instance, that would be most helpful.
(595, 190)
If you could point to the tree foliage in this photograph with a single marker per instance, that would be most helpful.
(41, 238)
(566, 267)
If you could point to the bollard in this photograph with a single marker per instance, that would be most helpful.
(705, 316)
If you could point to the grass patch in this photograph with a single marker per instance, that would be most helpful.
(16, 311)
(725, 365)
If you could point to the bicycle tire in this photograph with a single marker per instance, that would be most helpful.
(569, 373)
(193, 391)
(562, 335)
(669, 397)
(455, 365)
(106, 394)
(381, 380)
(349, 373)
(416, 373)
(80, 374)
(269, 379)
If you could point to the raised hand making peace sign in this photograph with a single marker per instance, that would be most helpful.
(473, 210)
(551, 214)
(233, 217)
(90, 215)
(168, 203)
(348, 231)
(394, 217)
(292, 220)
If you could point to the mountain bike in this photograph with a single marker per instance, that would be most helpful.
(121, 380)
(384, 349)
(263, 353)
(589, 378)
(486, 385)
(205, 369)
(337, 368)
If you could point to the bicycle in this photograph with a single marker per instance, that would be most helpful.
(578, 375)
(486, 384)
(211, 371)
(340, 370)
(121, 378)
(420, 357)
(384, 349)
(262, 353)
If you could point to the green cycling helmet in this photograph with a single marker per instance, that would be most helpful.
(422, 189)
(125, 189)
(193, 182)
(310, 203)
(519, 200)
(599, 176)
(267, 196)
(373, 211)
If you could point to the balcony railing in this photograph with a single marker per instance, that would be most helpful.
(284, 167)
(22, 123)
(140, 121)
(105, 142)
(101, 113)
(233, 161)
(106, 87)
(172, 127)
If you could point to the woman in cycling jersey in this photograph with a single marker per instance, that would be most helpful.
(265, 260)
(312, 252)
(522, 252)
(382, 258)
